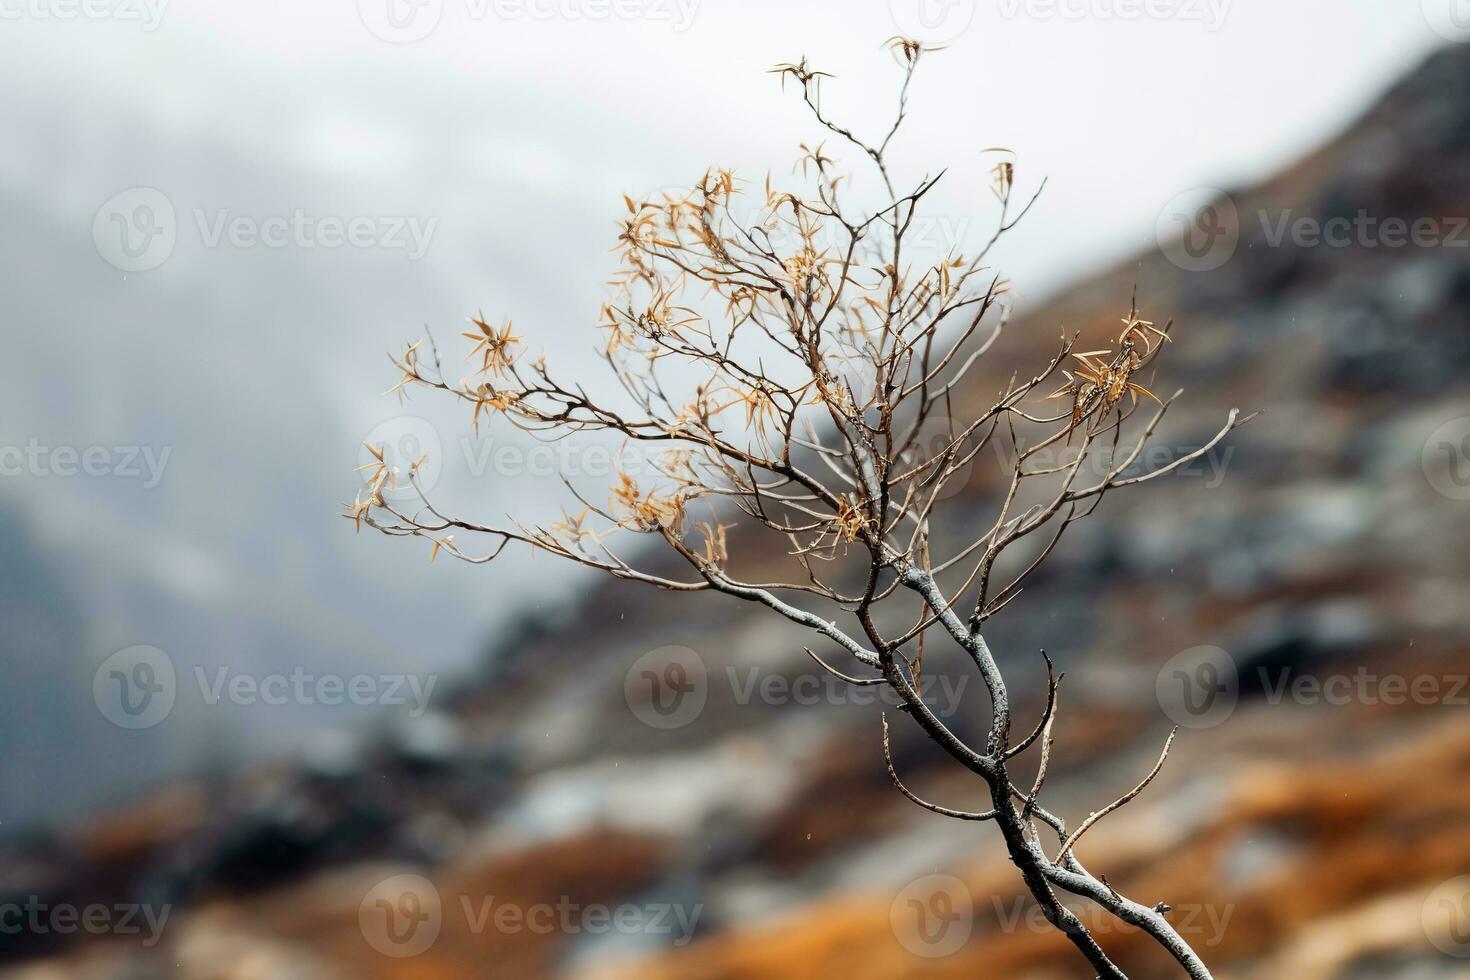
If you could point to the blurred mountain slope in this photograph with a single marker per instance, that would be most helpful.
(253, 375)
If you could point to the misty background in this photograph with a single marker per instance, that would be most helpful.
(224, 383)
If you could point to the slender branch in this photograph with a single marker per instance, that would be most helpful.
(941, 810)
(799, 377)
(1093, 818)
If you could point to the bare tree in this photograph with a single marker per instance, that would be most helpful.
(798, 396)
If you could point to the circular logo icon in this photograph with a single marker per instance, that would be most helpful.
(1199, 229)
(1198, 687)
(400, 21)
(932, 21)
(1446, 459)
(409, 444)
(937, 455)
(401, 916)
(135, 688)
(667, 688)
(1446, 917)
(1450, 19)
(136, 230)
(933, 916)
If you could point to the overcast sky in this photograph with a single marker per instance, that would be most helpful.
(1122, 103)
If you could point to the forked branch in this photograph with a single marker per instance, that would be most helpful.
(814, 379)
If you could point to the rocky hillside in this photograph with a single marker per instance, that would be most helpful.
(1311, 823)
